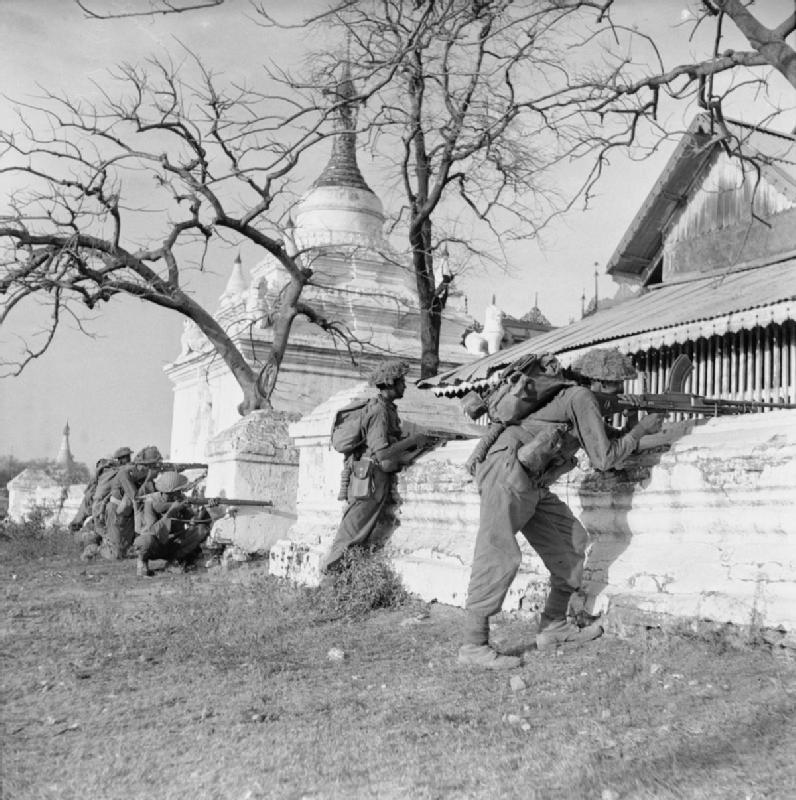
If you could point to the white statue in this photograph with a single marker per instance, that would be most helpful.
(493, 327)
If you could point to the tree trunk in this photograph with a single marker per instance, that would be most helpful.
(430, 305)
(247, 378)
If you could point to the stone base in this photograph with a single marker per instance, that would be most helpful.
(254, 459)
(252, 530)
(296, 561)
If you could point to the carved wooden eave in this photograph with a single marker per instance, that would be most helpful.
(640, 250)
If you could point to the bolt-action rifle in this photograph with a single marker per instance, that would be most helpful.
(173, 466)
(226, 501)
(673, 400)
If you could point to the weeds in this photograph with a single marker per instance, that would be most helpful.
(35, 536)
(363, 581)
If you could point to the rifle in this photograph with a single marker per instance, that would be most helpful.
(173, 466)
(226, 501)
(674, 400)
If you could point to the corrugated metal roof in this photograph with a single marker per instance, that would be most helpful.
(670, 312)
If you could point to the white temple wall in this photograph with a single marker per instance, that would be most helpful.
(704, 531)
(33, 488)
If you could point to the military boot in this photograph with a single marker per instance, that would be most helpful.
(483, 656)
(142, 569)
(561, 631)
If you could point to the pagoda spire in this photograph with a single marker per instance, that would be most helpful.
(64, 457)
(236, 283)
(342, 168)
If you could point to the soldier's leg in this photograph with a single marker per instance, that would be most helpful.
(111, 547)
(495, 563)
(147, 547)
(360, 518)
(189, 545)
(560, 540)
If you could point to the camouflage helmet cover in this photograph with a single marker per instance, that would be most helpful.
(147, 454)
(388, 372)
(170, 482)
(605, 364)
(122, 452)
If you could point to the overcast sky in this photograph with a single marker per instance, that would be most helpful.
(111, 388)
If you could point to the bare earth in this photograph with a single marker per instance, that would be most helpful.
(220, 685)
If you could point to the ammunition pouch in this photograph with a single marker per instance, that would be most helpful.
(536, 455)
(360, 484)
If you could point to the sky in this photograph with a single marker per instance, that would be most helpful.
(111, 387)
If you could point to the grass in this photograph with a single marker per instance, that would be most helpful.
(220, 685)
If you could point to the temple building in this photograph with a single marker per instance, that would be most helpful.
(360, 282)
(56, 486)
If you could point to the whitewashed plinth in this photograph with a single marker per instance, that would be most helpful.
(254, 459)
(703, 531)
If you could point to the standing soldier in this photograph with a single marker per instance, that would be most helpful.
(171, 530)
(515, 496)
(383, 452)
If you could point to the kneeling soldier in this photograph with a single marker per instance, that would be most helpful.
(171, 530)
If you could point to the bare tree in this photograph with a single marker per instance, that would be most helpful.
(124, 196)
(469, 106)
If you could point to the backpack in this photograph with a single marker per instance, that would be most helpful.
(524, 387)
(348, 430)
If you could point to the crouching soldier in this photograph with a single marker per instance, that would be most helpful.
(124, 512)
(171, 529)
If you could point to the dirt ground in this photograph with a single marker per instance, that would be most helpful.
(235, 685)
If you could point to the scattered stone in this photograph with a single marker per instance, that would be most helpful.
(605, 713)
(416, 619)
(335, 654)
(655, 668)
(513, 719)
(609, 794)
(526, 726)
(516, 683)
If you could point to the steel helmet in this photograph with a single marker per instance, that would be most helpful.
(146, 455)
(605, 364)
(388, 372)
(122, 452)
(170, 482)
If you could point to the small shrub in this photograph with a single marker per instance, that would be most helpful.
(35, 536)
(362, 581)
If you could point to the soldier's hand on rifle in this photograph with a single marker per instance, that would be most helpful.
(649, 424)
(176, 509)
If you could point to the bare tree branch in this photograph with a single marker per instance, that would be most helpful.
(155, 7)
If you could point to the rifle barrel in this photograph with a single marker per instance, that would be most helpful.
(695, 404)
(228, 501)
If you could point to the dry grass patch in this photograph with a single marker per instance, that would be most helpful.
(219, 685)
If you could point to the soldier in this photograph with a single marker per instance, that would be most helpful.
(171, 530)
(84, 512)
(384, 451)
(125, 504)
(99, 501)
(516, 497)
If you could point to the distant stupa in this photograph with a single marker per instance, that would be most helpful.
(65, 461)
